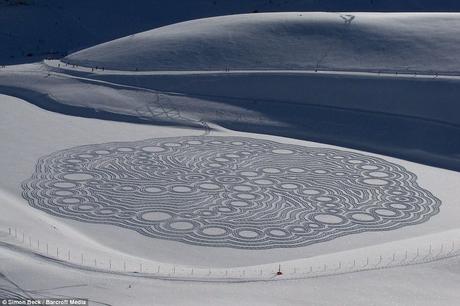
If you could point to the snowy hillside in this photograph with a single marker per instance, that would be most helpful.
(319, 72)
(32, 30)
(348, 41)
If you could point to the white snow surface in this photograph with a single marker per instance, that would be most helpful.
(298, 40)
(25, 25)
(183, 88)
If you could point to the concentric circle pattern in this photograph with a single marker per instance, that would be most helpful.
(229, 191)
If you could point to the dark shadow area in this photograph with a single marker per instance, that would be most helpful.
(409, 118)
(412, 139)
(45, 102)
(433, 99)
(415, 139)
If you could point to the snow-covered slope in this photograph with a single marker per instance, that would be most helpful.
(35, 29)
(349, 41)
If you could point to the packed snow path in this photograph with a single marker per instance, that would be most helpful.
(229, 191)
(60, 66)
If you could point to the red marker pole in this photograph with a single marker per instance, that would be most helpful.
(279, 270)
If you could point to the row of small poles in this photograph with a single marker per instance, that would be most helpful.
(418, 258)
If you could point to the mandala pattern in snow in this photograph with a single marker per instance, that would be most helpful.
(229, 191)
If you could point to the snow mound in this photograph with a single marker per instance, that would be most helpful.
(423, 42)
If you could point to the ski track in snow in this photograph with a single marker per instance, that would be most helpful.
(62, 66)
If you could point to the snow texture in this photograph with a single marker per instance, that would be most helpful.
(31, 30)
(229, 191)
(348, 41)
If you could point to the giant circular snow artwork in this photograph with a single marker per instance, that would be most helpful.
(229, 191)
